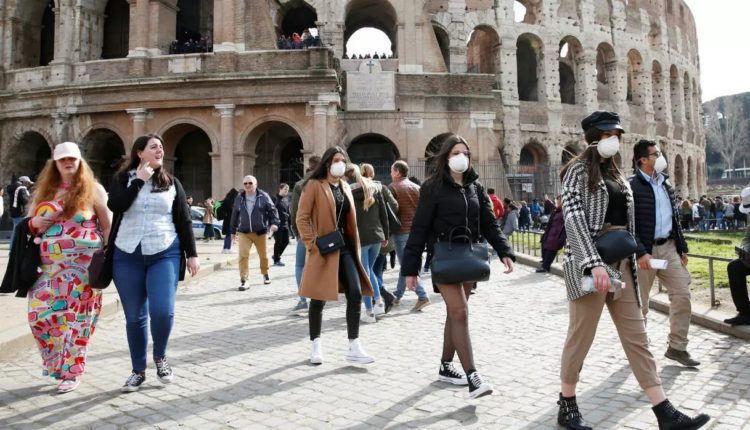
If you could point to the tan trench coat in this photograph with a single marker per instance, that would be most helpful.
(317, 214)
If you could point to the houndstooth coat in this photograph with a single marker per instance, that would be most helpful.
(584, 214)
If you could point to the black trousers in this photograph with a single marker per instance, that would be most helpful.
(548, 257)
(281, 241)
(349, 278)
(738, 274)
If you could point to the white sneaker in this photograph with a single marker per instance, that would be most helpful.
(367, 317)
(357, 354)
(379, 309)
(316, 356)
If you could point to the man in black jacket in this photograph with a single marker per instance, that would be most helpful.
(253, 214)
(659, 236)
(281, 237)
(19, 196)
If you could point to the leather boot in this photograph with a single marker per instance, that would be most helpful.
(569, 416)
(671, 419)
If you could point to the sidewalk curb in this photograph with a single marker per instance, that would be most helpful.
(656, 304)
(17, 342)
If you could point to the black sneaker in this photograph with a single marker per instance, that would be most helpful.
(242, 285)
(449, 374)
(164, 370)
(133, 383)
(740, 319)
(266, 279)
(477, 386)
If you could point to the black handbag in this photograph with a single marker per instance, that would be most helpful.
(615, 245)
(332, 241)
(459, 260)
(100, 269)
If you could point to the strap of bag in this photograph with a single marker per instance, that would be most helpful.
(338, 216)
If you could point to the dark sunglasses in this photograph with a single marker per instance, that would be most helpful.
(248, 183)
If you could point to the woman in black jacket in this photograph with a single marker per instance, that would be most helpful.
(151, 243)
(451, 198)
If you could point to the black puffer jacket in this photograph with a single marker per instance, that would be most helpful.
(441, 208)
(645, 215)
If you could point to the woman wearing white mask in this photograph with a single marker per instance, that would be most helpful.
(451, 199)
(327, 224)
(597, 199)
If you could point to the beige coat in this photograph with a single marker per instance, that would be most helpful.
(316, 216)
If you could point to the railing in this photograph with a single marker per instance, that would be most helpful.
(528, 242)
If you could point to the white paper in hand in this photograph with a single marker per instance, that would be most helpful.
(658, 264)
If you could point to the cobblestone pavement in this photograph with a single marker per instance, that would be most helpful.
(240, 361)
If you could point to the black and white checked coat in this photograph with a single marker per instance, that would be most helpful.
(584, 213)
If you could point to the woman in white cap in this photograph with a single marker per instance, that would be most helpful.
(69, 215)
(739, 269)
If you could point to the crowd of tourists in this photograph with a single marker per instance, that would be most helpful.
(620, 234)
(297, 41)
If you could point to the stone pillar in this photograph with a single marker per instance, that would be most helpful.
(223, 162)
(508, 74)
(62, 67)
(61, 121)
(162, 18)
(244, 164)
(550, 72)
(139, 28)
(484, 140)
(218, 188)
(224, 31)
(320, 125)
(139, 117)
(588, 83)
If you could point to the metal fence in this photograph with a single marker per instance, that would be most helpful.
(528, 242)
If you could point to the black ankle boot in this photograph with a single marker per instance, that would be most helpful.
(569, 416)
(671, 419)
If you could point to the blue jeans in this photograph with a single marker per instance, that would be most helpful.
(228, 242)
(379, 268)
(147, 285)
(399, 241)
(369, 255)
(16, 221)
(299, 265)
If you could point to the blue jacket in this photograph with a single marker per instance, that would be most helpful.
(264, 214)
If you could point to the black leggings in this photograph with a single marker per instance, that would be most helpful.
(349, 277)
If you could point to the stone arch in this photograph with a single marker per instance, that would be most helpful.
(378, 14)
(444, 43)
(691, 184)
(636, 81)
(675, 93)
(657, 92)
(528, 11)
(194, 29)
(570, 9)
(31, 25)
(183, 123)
(188, 150)
(104, 150)
(296, 16)
(117, 26)
(530, 66)
(571, 150)
(687, 93)
(278, 151)
(571, 68)
(377, 150)
(532, 155)
(30, 153)
(249, 138)
(606, 70)
(531, 175)
(481, 50)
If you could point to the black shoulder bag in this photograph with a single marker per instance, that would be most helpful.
(334, 240)
(461, 261)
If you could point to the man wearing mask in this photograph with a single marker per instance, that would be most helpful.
(659, 237)
(253, 214)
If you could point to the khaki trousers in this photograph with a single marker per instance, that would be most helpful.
(628, 319)
(676, 279)
(246, 241)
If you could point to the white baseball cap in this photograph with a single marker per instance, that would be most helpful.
(745, 204)
(66, 149)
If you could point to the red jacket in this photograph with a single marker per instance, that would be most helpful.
(497, 206)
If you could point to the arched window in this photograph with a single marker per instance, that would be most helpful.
(370, 21)
(29, 156)
(570, 67)
(606, 67)
(103, 150)
(116, 29)
(188, 147)
(635, 78)
(195, 24)
(529, 66)
(298, 28)
(47, 39)
(377, 150)
(443, 41)
(481, 50)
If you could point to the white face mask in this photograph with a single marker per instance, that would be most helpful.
(338, 169)
(459, 163)
(608, 147)
(660, 164)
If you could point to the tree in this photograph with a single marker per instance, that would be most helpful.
(727, 129)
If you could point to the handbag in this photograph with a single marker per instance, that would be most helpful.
(454, 262)
(394, 223)
(100, 269)
(615, 245)
(332, 241)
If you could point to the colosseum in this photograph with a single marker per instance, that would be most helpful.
(514, 77)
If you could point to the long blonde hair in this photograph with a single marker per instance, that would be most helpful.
(368, 188)
(80, 195)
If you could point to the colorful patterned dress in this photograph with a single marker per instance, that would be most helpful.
(63, 308)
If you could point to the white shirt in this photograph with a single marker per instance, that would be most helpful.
(148, 221)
